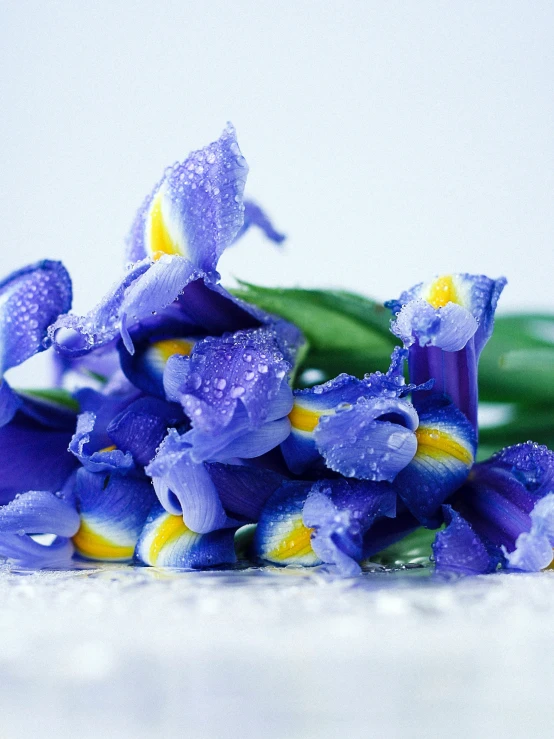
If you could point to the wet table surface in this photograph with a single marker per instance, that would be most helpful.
(274, 654)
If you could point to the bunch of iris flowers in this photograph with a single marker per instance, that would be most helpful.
(183, 426)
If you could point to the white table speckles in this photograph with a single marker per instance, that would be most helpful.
(124, 652)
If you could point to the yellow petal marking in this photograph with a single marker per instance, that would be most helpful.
(303, 419)
(111, 448)
(297, 543)
(160, 239)
(94, 546)
(442, 291)
(171, 528)
(434, 443)
(168, 347)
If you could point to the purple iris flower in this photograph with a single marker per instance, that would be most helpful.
(235, 391)
(445, 324)
(328, 521)
(206, 374)
(193, 214)
(368, 430)
(503, 515)
(358, 428)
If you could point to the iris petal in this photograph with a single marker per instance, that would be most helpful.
(166, 541)
(533, 550)
(184, 486)
(241, 438)
(458, 548)
(448, 328)
(74, 336)
(244, 490)
(141, 427)
(255, 216)
(445, 452)
(246, 367)
(477, 294)
(196, 209)
(340, 512)
(281, 536)
(37, 512)
(446, 323)
(30, 300)
(314, 408)
(99, 460)
(113, 511)
(356, 443)
(502, 493)
(28, 553)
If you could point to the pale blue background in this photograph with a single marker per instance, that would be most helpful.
(391, 140)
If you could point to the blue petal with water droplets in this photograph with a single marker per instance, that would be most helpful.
(313, 406)
(241, 437)
(30, 300)
(196, 209)
(74, 336)
(340, 512)
(32, 513)
(477, 294)
(39, 512)
(361, 441)
(503, 502)
(458, 549)
(448, 328)
(246, 368)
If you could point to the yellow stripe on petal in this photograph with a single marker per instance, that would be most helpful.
(442, 291)
(434, 443)
(168, 347)
(95, 546)
(111, 448)
(172, 527)
(296, 544)
(303, 419)
(160, 241)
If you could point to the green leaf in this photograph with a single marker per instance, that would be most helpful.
(535, 423)
(53, 396)
(412, 549)
(346, 332)
(243, 540)
(517, 365)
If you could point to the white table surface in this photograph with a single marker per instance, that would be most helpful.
(123, 652)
